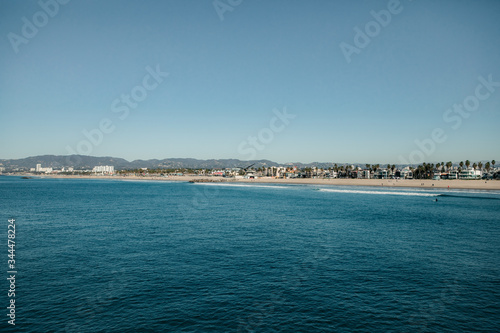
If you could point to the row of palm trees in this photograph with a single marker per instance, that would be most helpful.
(425, 171)
(479, 165)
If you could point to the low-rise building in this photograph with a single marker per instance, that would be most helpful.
(104, 169)
(470, 174)
(453, 174)
(406, 173)
(381, 174)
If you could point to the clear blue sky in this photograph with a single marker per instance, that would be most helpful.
(227, 76)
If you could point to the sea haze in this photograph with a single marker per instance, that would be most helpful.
(124, 256)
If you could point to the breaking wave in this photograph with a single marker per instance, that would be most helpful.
(242, 185)
(418, 194)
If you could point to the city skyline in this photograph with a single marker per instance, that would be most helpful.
(371, 82)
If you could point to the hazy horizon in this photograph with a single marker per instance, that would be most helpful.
(382, 164)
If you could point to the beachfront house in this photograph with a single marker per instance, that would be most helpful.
(453, 174)
(363, 174)
(331, 174)
(406, 173)
(470, 174)
(381, 174)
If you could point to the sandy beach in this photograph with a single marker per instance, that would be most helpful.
(414, 183)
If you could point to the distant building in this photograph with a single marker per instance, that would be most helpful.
(381, 174)
(470, 174)
(104, 169)
(406, 173)
(453, 174)
(40, 169)
(250, 175)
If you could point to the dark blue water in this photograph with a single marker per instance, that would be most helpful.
(123, 256)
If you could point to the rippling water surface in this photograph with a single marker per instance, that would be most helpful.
(121, 256)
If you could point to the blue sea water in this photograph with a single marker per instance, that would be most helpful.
(144, 256)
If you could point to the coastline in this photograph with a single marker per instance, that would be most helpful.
(410, 183)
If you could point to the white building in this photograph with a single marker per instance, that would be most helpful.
(40, 169)
(406, 173)
(250, 175)
(453, 174)
(104, 169)
(470, 174)
(364, 174)
(381, 174)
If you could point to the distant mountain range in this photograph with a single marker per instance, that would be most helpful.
(88, 162)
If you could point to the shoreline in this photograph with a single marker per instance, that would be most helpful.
(409, 183)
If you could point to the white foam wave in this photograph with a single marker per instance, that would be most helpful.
(242, 185)
(418, 194)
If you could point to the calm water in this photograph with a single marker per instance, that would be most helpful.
(123, 256)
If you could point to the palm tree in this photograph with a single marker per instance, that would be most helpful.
(474, 166)
(421, 170)
(418, 172)
(392, 168)
(367, 166)
(480, 165)
(493, 163)
(448, 165)
(461, 166)
(487, 167)
(429, 170)
(415, 172)
(467, 163)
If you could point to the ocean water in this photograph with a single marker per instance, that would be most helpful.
(143, 256)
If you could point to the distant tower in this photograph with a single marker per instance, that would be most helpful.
(38, 168)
